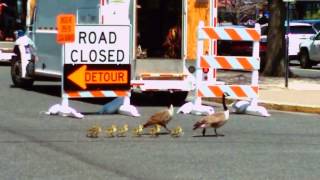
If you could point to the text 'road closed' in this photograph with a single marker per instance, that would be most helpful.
(99, 45)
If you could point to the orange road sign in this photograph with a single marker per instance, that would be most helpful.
(66, 24)
(83, 77)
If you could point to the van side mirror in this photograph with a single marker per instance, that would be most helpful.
(312, 37)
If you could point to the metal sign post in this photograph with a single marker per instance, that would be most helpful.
(66, 34)
(287, 42)
(287, 48)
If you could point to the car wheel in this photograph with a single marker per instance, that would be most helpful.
(305, 62)
(16, 75)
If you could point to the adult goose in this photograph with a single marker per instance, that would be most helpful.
(161, 118)
(215, 120)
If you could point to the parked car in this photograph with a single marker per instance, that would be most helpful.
(6, 51)
(314, 22)
(309, 53)
(299, 32)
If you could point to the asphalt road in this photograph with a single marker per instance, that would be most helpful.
(36, 146)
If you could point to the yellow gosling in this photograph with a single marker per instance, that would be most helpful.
(111, 131)
(137, 131)
(94, 131)
(177, 132)
(122, 131)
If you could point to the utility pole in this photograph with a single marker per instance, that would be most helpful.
(287, 41)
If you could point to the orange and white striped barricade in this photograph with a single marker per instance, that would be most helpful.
(252, 63)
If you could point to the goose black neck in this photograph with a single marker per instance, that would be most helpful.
(225, 108)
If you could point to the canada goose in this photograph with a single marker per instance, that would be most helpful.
(177, 132)
(111, 131)
(94, 131)
(161, 118)
(215, 120)
(123, 130)
(154, 131)
(137, 131)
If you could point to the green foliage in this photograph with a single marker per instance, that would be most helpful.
(313, 14)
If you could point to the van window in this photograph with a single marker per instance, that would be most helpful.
(48, 11)
(88, 16)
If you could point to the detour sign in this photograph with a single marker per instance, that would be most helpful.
(98, 77)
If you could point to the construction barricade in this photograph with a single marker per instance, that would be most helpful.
(212, 88)
(84, 76)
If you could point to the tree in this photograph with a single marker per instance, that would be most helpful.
(276, 39)
(300, 10)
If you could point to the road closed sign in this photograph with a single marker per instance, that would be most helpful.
(101, 44)
(98, 59)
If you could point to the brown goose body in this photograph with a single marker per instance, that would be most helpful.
(215, 120)
(161, 118)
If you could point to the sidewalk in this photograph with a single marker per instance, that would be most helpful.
(302, 94)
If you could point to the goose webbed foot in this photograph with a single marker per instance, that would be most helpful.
(204, 132)
(216, 133)
(164, 126)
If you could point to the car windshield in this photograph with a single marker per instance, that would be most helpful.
(317, 26)
(302, 30)
(293, 30)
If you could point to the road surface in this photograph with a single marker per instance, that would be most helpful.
(36, 146)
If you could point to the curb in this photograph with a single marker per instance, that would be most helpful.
(290, 107)
(274, 106)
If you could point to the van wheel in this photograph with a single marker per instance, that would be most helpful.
(305, 62)
(17, 80)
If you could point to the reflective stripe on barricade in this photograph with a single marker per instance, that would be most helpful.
(230, 62)
(225, 33)
(95, 94)
(163, 75)
(234, 91)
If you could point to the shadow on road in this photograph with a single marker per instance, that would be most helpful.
(4, 63)
(158, 99)
(55, 90)
(52, 90)
(137, 99)
(206, 136)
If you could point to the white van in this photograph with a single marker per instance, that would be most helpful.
(154, 69)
